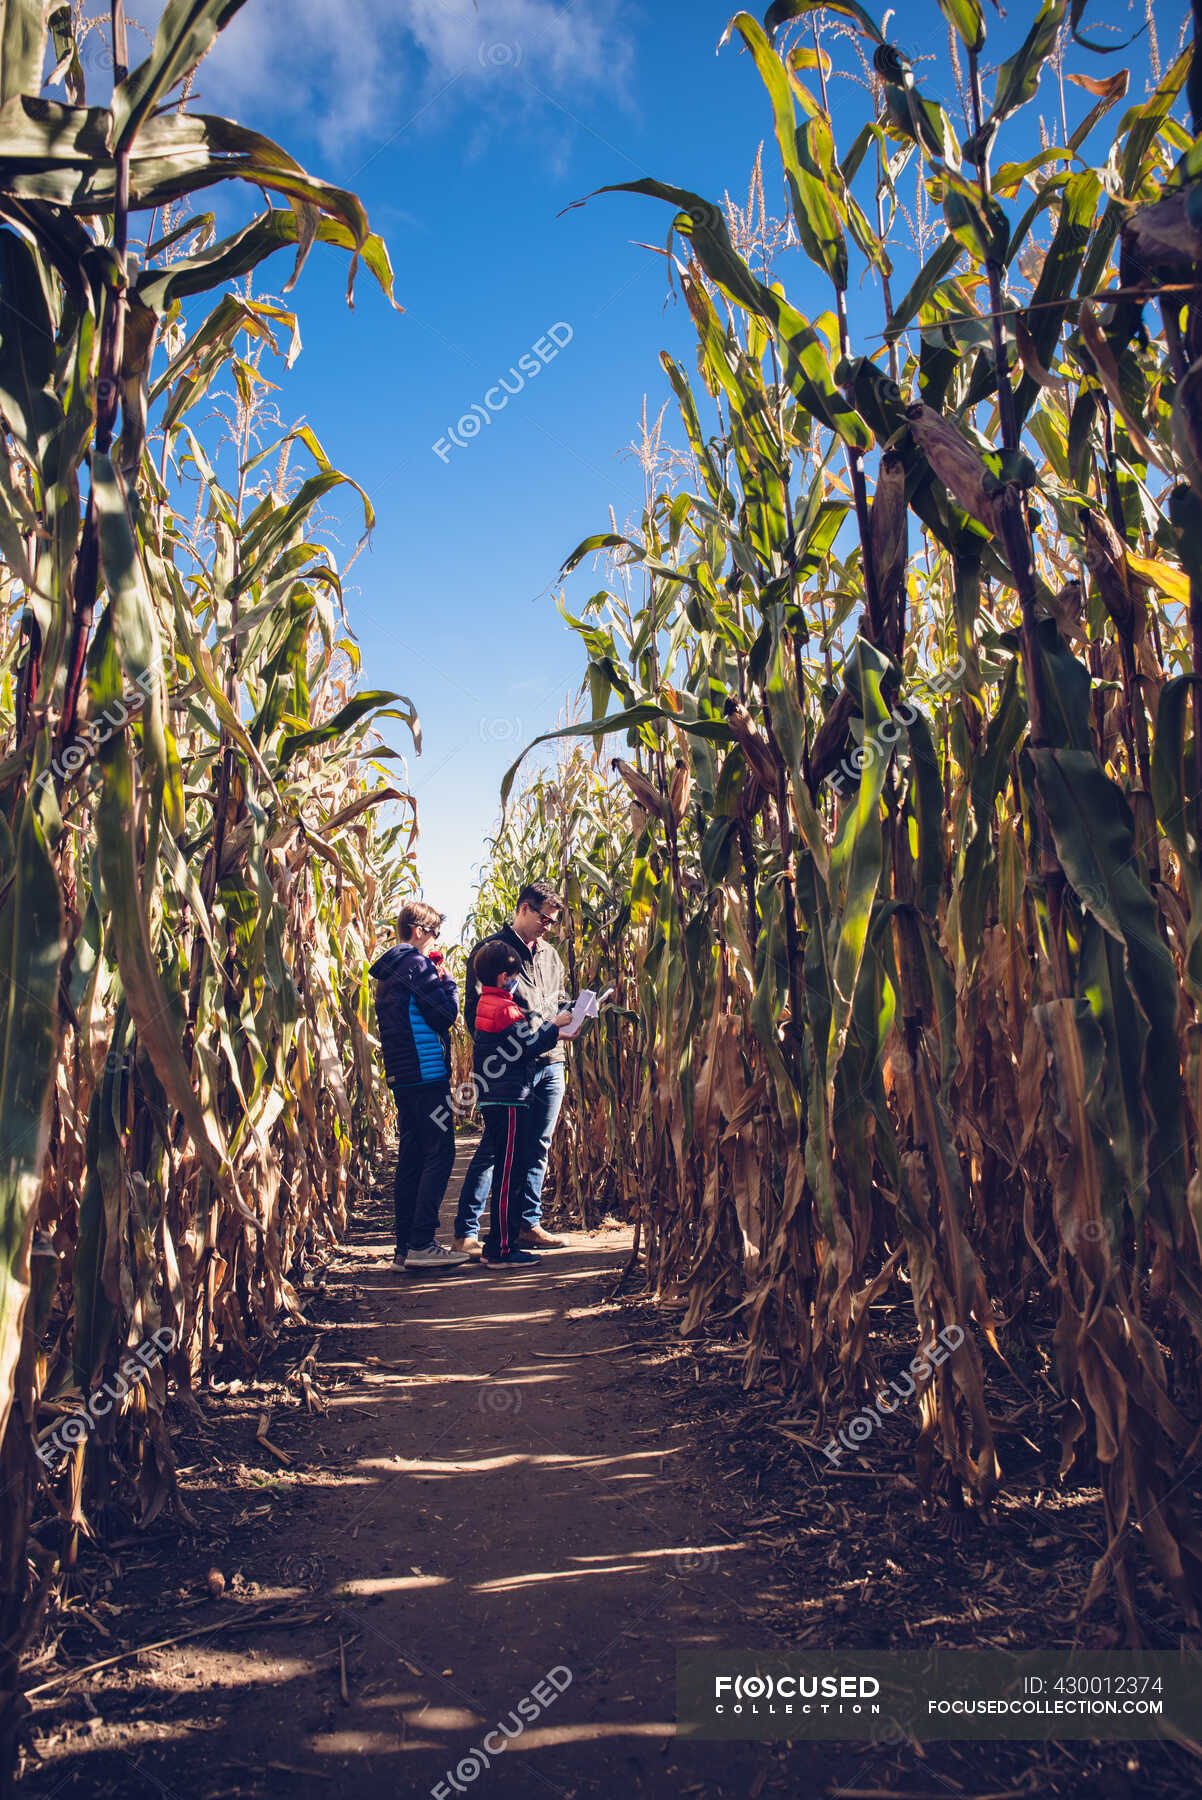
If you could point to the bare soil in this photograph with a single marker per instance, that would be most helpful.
(492, 1475)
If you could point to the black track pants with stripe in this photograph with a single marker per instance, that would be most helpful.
(505, 1130)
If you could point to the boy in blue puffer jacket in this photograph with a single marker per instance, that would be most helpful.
(416, 1005)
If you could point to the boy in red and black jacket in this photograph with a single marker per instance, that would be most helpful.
(506, 1046)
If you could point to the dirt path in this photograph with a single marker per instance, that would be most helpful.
(519, 1503)
(518, 1506)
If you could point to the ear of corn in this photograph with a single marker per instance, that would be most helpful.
(909, 984)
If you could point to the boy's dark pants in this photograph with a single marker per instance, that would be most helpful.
(424, 1160)
(546, 1098)
(505, 1135)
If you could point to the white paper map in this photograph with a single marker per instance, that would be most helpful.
(583, 1007)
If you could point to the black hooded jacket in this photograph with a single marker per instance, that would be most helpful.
(416, 1005)
(539, 987)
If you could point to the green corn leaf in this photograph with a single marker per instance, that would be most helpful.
(135, 633)
(199, 225)
(1075, 14)
(1148, 120)
(865, 236)
(32, 944)
(968, 18)
(58, 155)
(922, 121)
(925, 806)
(1019, 75)
(820, 188)
(348, 715)
(234, 256)
(1066, 689)
(1052, 297)
(1010, 176)
(1094, 835)
(263, 543)
(782, 11)
(717, 848)
(807, 364)
(809, 375)
(22, 47)
(813, 183)
(32, 410)
(645, 712)
(788, 718)
(97, 1294)
(156, 1013)
(232, 315)
(717, 489)
(978, 226)
(187, 29)
(1114, 1104)
(855, 861)
(1175, 810)
(604, 540)
(935, 269)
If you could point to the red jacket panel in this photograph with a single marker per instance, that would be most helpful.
(496, 1010)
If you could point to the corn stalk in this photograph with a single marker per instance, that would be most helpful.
(193, 869)
(912, 940)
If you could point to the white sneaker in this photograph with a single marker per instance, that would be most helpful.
(436, 1256)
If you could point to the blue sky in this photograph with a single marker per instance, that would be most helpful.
(466, 132)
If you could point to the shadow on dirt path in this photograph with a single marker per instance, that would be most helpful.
(525, 1530)
(493, 1534)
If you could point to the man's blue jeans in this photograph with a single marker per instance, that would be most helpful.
(546, 1098)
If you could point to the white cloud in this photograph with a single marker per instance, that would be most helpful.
(362, 70)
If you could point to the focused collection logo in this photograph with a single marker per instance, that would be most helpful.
(804, 1693)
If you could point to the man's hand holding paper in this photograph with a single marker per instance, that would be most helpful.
(583, 1007)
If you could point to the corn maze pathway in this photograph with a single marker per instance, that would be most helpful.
(506, 1508)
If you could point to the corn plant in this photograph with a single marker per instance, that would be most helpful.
(910, 890)
(192, 869)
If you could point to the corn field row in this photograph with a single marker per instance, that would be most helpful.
(899, 876)
(193, 872)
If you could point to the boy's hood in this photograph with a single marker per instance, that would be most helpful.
(390, 961)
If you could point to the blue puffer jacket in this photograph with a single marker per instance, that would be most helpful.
(416, 1006)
